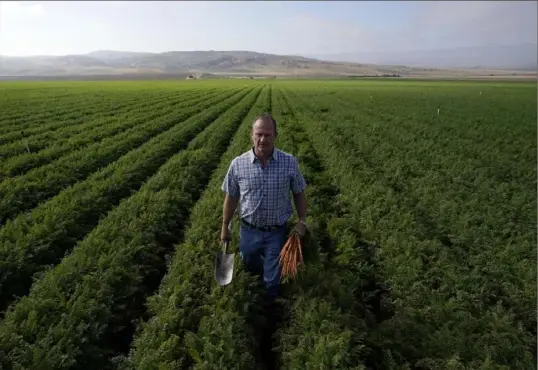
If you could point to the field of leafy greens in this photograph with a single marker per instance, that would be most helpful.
(421, 251)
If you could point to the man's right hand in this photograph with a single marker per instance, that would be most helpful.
(224, 233)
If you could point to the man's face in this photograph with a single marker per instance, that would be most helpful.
(263, 136)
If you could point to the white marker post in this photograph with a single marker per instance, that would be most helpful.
(437, 112)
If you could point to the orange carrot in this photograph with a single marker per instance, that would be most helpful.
(291, 255)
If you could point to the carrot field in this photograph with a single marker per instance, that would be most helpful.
(421, 211)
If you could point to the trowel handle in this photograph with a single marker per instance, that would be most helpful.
(226, 244)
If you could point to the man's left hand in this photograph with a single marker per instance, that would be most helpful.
(299, 229)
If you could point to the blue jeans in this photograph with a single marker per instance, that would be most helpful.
(260, 252)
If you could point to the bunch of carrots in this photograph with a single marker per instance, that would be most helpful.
(291, 255)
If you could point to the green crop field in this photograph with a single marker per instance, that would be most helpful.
(422, 213)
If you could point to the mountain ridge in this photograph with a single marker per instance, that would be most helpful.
(217, 62)
(522, 56)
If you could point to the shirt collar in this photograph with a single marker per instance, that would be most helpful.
(274, 155)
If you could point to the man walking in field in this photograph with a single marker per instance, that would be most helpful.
(260, 181)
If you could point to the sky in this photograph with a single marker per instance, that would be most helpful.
(293, 28)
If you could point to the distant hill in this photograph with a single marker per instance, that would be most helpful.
(513, 57)
(110, 62)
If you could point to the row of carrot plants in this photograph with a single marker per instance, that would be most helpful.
(479, 200)
(15, 103)
(488, 142)
(482, 204)
(32, 125)
(35, 240)
(79, 314)
(19, 108)
(227, 331)
(486, 152)
(17, 142)
(486, 194)
(235, 322)
(42, 95)
(434, 295)
(172, 336)
(66, 141)
(24, 192)
(67, 107)
(335, 304)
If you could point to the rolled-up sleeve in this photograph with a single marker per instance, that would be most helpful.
(230, 184)
(298, 183)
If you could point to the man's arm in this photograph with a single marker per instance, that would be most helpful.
(230, 205)
(300, 205)
(230, 187)
(298, 187)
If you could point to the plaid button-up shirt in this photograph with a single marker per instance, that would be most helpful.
(264, 193)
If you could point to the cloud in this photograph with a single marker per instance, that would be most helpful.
(475, 23)
(18, 9)
(420, 26)
(282, 28)
(304, 33)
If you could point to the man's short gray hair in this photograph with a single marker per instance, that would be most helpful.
(266, 116)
